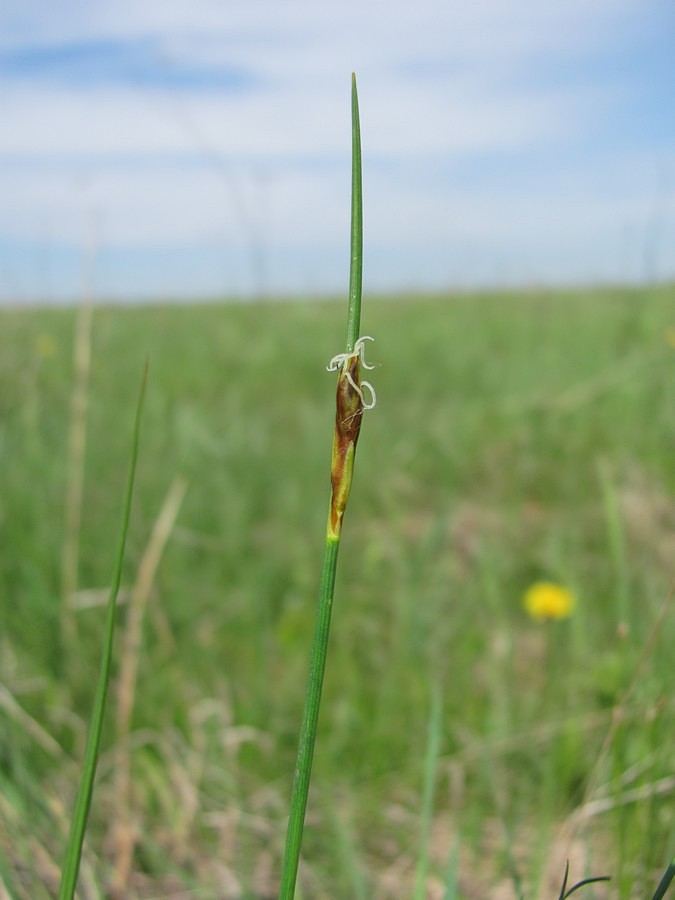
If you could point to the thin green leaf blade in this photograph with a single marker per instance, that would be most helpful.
(665, 882)
(430, 770)
(78, 826)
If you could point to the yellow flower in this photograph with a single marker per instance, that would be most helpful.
(545, 600)
(670, 335)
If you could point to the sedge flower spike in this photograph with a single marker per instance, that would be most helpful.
(350, 404)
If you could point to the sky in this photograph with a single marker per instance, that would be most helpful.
(169, 149)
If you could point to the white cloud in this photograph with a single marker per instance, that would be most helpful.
(461, 90)
(269, 125)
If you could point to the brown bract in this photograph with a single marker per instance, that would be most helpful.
(349, 410)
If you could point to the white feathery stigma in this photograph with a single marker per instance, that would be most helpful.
(341, 360)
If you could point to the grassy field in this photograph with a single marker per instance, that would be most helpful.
(516, 438)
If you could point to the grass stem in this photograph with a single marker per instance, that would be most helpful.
(303, 767)
(430, 772)
(349, 410)
(83, 801)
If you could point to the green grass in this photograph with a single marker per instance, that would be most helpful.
(515, 437)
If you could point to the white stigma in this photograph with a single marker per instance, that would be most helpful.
(341, 361)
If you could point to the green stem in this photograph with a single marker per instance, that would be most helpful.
(430, 771)
(665, 882)
(348, 419)
(356, 265)
(303, 768)
(78, 826)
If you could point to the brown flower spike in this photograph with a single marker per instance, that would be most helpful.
(350, 404)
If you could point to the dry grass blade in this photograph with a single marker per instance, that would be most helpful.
(28, 723)
(122, 831)
(77, 443)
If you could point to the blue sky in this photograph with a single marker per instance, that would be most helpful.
(177, 148)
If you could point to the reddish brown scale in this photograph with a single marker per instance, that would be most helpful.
(349, 411)
(349, 404)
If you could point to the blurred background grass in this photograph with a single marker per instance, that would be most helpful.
(516, 437)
